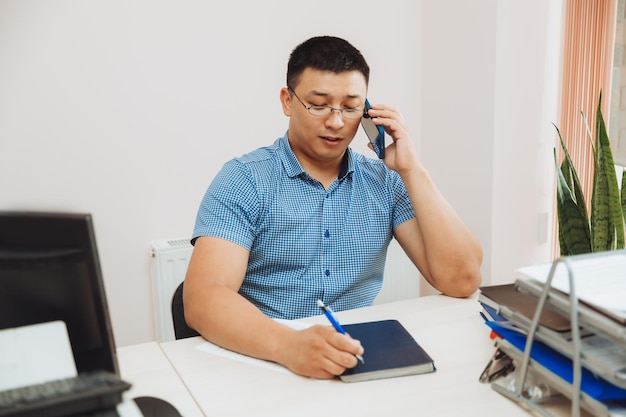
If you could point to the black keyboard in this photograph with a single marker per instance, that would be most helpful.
(84, 394)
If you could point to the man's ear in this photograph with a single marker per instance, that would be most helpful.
(285, 101)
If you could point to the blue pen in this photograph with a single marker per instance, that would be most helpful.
(329, 315)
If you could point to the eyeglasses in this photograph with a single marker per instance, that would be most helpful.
(325, 111)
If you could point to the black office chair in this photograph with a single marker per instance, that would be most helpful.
(181, 329)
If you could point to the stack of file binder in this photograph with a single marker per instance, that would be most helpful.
(564, 324)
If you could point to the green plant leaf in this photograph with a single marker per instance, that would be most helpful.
(604, 229)
(624, 194)
(571, 177)
(588, 130)
(573, 225)
(607, 224)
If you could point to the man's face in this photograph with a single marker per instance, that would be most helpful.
(323, 140)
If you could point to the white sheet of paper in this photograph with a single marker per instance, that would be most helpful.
(35, 354)
(209, 347)
(599, 280)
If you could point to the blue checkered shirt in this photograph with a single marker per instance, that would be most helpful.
(306, 243)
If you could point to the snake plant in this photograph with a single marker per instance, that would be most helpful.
(604, 230)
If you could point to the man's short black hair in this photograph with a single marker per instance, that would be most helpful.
(325, 53)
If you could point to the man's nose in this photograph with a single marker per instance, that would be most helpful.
(335, 118)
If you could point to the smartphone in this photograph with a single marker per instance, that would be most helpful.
(375, 133)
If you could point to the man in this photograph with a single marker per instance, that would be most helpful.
(307, 219)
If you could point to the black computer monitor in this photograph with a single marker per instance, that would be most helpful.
(50, 270)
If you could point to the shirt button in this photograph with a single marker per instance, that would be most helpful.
(327, 234)
(327, 272)
(327, 195)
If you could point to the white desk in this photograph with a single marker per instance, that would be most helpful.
(146, 367)
(450, 330)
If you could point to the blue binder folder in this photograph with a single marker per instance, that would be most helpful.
(560, 365)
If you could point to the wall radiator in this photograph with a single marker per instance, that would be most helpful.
(168, 266)
(170, 258)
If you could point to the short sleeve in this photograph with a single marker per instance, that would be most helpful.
(403, 209)
(230, 207)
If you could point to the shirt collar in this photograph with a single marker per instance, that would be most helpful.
(294, 169)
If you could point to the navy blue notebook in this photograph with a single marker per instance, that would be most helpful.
(390, 351)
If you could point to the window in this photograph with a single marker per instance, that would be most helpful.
(588, 46)
(617, 118)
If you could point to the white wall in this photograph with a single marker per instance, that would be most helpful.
(527, 89)
(127, 108)
(490, 85)
(458, 72)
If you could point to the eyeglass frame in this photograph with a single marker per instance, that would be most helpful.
(363, 112)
